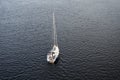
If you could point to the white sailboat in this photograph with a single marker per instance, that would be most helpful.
(54, 53)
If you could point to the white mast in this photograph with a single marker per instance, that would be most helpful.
(54, 31)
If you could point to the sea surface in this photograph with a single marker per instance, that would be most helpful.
(88, 37)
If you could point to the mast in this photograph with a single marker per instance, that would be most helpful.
(54, 31)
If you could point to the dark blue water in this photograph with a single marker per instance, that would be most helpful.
(88, 37)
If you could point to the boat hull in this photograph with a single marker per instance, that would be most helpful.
(53, 54)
